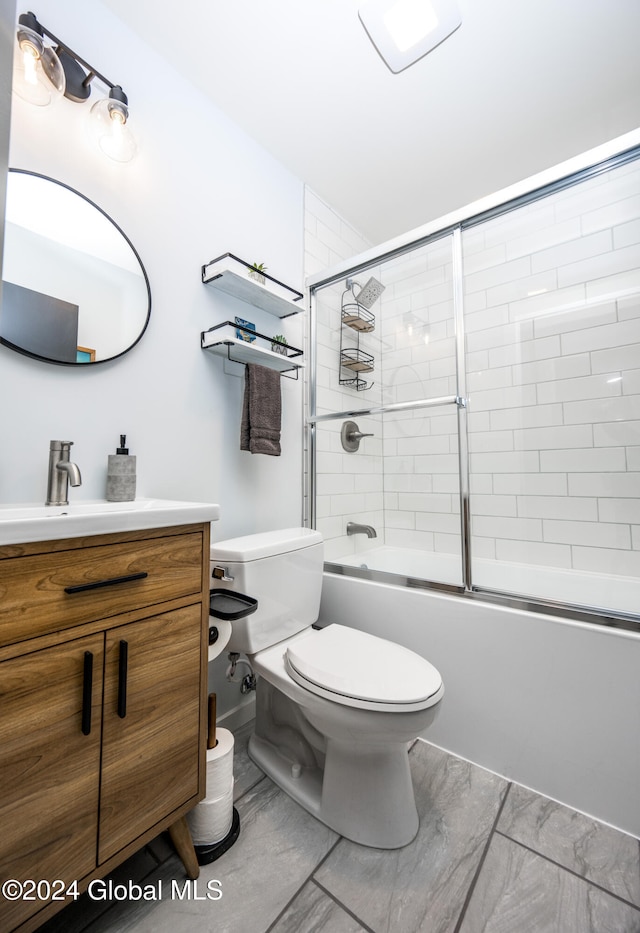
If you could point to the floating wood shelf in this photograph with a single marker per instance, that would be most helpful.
(222, 340)
(238, 278)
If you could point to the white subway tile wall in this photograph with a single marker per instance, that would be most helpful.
(328, 240)
(553, 359)
(422, 504)
(349, 486)
(405, 479)
(551, 295)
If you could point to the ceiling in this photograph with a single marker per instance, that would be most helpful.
(521, 85)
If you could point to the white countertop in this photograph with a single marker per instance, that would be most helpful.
(22, 523)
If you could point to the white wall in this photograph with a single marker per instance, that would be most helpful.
(6, 18)
(198, 187)
(550, 704)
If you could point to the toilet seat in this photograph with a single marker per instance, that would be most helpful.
(361, 670)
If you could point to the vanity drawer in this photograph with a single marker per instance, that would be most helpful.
(45, 593)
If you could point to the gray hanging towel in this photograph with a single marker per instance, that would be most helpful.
(261, 411)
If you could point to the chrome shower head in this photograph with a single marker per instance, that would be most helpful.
(369, 293)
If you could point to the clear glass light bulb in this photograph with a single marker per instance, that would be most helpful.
(29, 63)
(38, 76)
(110, 130)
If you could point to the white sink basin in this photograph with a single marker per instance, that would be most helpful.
(31, 522)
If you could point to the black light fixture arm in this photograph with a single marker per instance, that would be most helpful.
(78, 80)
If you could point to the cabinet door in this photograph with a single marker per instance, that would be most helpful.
(150, 757)
(50, 728)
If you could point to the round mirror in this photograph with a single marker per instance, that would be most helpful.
(74, 290)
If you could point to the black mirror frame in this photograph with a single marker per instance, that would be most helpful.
(45, 359)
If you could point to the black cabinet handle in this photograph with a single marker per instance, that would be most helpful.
(123, 663)
(87, 692)
(114, 581)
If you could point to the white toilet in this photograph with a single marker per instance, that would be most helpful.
(335, 707)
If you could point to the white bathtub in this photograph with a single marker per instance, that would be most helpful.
(600, 591)
(549, 703)
(407, 562)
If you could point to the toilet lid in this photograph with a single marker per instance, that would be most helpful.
(358, 669)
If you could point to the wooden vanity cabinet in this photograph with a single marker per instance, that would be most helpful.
(49, 770)
(102, 717)
(161, 717)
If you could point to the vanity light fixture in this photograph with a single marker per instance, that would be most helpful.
(404, 31)
(43, 72)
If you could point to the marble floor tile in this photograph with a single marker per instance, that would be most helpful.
(129, 914)
(245, 773)
(313, 910)
(79, 914)
(593, 850)
(423, 886)
(144, 864)
(518, 890)
(537, 868)
(279, 846)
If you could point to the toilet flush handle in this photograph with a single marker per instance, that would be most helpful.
(222, 573)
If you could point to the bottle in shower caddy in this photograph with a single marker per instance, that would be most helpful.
(121, 474)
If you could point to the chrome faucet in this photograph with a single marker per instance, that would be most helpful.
(61, 472)
(354, 529)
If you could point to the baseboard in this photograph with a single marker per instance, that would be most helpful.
(238, 716)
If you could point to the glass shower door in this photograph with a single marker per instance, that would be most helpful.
(403, 480)
(552, 322)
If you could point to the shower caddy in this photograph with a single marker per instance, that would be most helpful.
(357, 361)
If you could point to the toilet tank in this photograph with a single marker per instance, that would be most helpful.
(283, 571)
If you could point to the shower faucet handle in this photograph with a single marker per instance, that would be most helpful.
(351, 435)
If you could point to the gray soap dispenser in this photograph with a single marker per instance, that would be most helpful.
(121, 474)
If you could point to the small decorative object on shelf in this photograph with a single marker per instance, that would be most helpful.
(256, 272)
(243, 328)
(252, 283)
(279, 344)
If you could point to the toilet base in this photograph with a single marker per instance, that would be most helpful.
(364, 794)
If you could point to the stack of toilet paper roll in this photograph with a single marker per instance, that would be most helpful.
(210, 820)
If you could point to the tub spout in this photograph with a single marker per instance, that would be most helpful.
(354, 529)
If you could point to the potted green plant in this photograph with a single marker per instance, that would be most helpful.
(256, 272)
(279, 344)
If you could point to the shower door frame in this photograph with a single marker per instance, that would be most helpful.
(612, 155)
